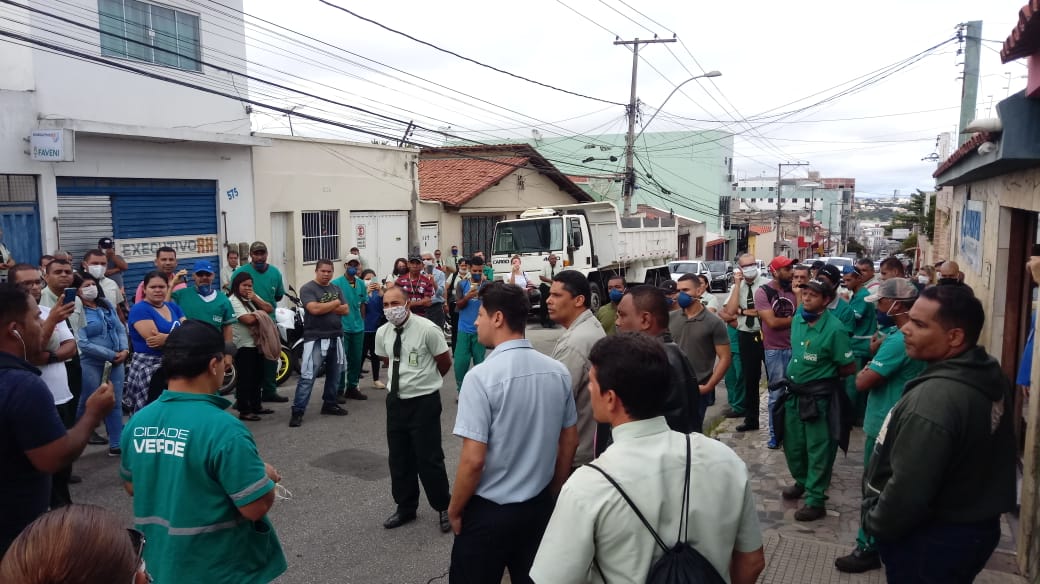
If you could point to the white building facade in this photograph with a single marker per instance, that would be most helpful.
(92, 147)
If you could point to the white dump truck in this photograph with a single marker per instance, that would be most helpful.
(592, 238)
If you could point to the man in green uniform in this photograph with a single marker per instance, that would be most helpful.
(882, 380)
(204, 302)
(201, 491)
(356, 295)
(863, 328)
(267, 284)
(820, 356)
(607, 314)
(838, 306)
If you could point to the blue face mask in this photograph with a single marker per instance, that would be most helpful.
(810, 316)
(883, 319)
(205, 289)
(260, 266)
(669, 300)
(685, 300)
(351, 271)
(616, 295)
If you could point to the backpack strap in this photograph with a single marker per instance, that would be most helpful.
(631, 504)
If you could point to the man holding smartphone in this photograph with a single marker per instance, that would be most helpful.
(468, 348)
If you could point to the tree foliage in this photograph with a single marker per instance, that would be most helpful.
(853, 246)
(914, 214)
(909, 242)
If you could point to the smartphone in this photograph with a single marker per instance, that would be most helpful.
(476, 276)
(106, 373)
(70, 296)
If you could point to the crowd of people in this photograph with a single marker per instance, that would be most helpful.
(575, 466)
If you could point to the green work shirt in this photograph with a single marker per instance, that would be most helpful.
(356, 295)
(846, 317)
(864, 324)
(217, 312)
(192, 466)
(897, 369)
(607, 317)
(268, 286)
(817, 351)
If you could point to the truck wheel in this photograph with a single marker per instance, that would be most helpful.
(596, 296)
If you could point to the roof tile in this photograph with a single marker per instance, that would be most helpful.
(456, 181)
(962, 152)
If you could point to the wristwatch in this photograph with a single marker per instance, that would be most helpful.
(52, 357)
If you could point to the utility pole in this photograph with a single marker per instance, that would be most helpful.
(629, 185)
(779, 199)
(970, 82)
(408, 134)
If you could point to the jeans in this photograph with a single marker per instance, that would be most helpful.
(309, 365)
(947, 553)
(91, 371)
(776, 369)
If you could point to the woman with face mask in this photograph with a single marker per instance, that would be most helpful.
(151, 322)
(400, 269)
(925, 277)
(101, 339)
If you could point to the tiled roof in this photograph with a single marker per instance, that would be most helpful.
(760, 229)
(454, 175)
(718, 241)
(1024, 39)
(965, 149)
(455, 181)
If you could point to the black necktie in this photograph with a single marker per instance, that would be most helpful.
(395, 383)
(552, 271)
(751, 306)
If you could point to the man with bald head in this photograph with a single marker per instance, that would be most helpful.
(950, 274)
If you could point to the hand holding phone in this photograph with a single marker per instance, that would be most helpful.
(107, 373)
(70, 296)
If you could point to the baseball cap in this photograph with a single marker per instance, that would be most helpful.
(817, 265)
(831, 273)
(894, 288)
(203, 266)
(845, 271)
(194, 338)
(351, 258)
(105, 242)
(819, 286)
(780, 262)
(668, 287)
(257, 246)
(414, 259)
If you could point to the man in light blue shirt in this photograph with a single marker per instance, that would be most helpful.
(518, 425)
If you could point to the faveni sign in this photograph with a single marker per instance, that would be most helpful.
(53, 145)
(187, 246)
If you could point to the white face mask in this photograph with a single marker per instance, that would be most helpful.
(922, 279)
(368, 281)
(96, 271)
(750, 272)
(396, 315)
(89, 292)
(463, 272)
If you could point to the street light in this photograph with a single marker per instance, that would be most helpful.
(661, 107)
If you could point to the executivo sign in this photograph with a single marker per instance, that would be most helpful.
(53, 145)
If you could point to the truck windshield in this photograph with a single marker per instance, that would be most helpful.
(530, 236)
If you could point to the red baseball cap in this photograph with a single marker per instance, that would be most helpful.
(780, 262)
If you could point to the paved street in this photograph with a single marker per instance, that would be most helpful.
(336, 469)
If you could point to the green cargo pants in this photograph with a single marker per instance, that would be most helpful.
(864, 541)
(809, 450)
(467, 349)
(735, 375)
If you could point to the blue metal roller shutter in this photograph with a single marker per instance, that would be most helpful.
(147, 208)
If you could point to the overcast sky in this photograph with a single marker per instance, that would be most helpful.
(774, 57)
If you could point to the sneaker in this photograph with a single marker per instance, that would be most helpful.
(341, 398)
(354, 393)
(296, 420)
(274, 398)
(772, 444)
(333, 410)
(96, 439)
(793, 492)
(860, 560)
(733, 414)
(808, 513)
(115, 451)
(378, 384)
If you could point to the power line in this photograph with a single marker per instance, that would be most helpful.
(464, 58)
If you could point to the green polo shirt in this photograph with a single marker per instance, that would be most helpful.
(356, 295)
(607, 317)
(217, 312)
(846, 317)
(817, 351)
(192, 466)
(268, 286)
(864, 324)
(896, 368)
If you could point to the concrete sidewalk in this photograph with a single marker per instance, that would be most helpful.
(804, 553)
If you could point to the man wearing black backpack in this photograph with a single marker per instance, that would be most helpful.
(639, 512)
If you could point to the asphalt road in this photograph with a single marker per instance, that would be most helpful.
(336, 468)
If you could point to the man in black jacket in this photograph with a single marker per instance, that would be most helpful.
(943, 468)
(643, 309)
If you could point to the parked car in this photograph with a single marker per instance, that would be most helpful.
(678, 268)
(840, 262)
(721, 278)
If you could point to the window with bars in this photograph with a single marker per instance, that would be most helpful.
(320, 236)
(17, 188)
(150, 33)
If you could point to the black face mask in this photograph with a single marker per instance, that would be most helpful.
(948, 282)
